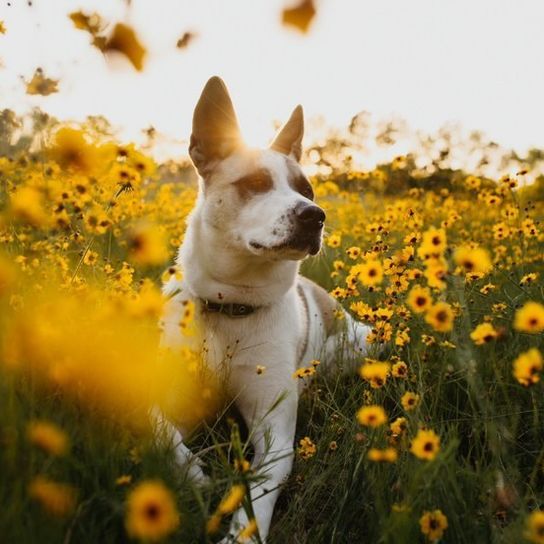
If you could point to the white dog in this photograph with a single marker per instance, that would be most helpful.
(254, 220)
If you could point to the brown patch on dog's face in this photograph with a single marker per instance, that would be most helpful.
(297, 180)
(255, 183)
(302, 186)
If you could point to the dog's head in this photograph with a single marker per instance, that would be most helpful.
(258, 200)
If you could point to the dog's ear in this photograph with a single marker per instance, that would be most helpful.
(216, 133)
(289, 139)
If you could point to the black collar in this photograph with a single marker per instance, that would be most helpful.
(231, 309)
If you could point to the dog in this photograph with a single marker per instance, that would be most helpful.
(254, 220)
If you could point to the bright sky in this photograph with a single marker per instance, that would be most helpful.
(477, 62)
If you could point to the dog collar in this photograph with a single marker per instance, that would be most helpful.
(232, 309)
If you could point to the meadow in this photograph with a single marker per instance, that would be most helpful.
(439, 438)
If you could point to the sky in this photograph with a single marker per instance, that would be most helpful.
(474, 62)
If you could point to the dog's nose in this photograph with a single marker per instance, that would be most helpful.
(309, 215)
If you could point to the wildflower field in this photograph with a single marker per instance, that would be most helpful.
(438, 437)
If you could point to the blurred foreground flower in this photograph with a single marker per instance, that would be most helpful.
(72, 151)
(147, 245)
(27, 206)
(300, 16)
(102, 351)
(55, 498)
(124, 41)
(535, 527)
(473, 260)
(375, 373)
(530, 318)
(49, 437)
(440, 317)
(233, 499)
(151, 512)
(372, 416)
(527, 366)
(483, 333)
(39, 84)
(387, 455)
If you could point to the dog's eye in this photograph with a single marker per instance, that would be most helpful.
(302, 186)
(258, 182)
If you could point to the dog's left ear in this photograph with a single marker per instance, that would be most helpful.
(289, 139)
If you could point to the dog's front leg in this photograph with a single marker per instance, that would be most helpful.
(166, 431)
(268, 404)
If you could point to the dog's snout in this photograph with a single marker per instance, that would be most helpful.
(309, 215)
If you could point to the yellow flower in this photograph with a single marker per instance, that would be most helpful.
(433, 243)
(27, 206)
(96, 220)
(375, 373)
(483, 333)
(151, 512)
(372, 416)
(433, 524)
(419, 299)
(124, 41)
(398, 426)
(307, 448)
(535, 527)
(233, 500)
(213, 524)
(242, 465)
(48, 436)
(2, 27)
(125, 479)
(425, 445)
(435, 272)
(530, 318)
(91, 258)
(172, 272)
(7, 275)
(473, 182)
(248, 531)
(334, 240)
(410, 401)
(529, 228)
(339, 292)
(473, 260)
(440, 317)
(387, 455)
(304, 372)
(147, 245)
(371, 273)
(353, 252)
(527, 366)
(71, 150)
(528, 279)
(487, 288)
(57, 499)
(400, 370)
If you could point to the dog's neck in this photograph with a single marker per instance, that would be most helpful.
(214, 270)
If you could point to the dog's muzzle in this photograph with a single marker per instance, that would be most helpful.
(309, 221)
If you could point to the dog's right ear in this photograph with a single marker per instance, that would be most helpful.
(216, 133)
